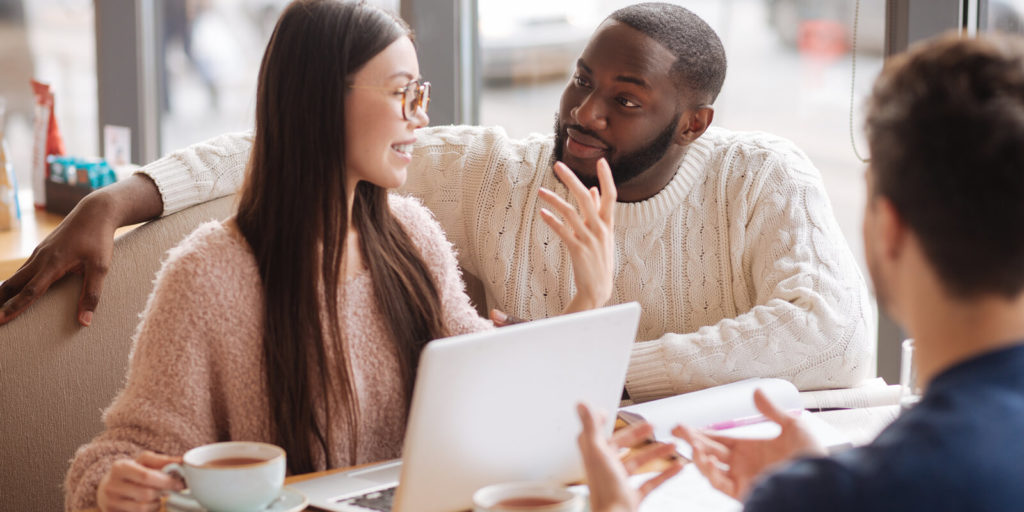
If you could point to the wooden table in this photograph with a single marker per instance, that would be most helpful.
(17, 244)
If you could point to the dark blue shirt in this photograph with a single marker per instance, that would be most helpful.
(961, 448)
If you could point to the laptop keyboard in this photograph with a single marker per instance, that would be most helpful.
(377, 500)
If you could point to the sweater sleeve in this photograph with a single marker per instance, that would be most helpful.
(811, 317)
(460, 317)
(167, 403)
(201, 172)
(449, 167)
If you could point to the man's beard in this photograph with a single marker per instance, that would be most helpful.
(625, 167)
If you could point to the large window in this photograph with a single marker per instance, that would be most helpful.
(791, 73)
(211, 52)
(52, 41)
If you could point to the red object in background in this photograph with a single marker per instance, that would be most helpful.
(46, 141)
(54, 141)
(822, 38)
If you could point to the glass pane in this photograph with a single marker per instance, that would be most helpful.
(1006, 15)
(212, 52)
(790, 73)
(54, 42)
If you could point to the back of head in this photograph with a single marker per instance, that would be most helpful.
(700, 57)
(946, 129)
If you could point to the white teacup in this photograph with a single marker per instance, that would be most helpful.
(237, 476)
(527, 497)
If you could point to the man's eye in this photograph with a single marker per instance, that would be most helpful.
(581, 81)
(628, 103)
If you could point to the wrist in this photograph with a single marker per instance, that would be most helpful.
(99, 206)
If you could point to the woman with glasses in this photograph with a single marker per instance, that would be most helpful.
(300, 320)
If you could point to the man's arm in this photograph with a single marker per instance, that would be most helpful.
(803, 308)
(84, 240)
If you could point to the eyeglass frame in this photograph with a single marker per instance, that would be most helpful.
(421, 91)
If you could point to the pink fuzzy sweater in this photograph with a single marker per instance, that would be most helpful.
(196, 374)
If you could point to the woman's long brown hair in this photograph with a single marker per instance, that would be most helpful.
(293, 212)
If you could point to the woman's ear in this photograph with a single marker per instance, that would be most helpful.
(693, 123)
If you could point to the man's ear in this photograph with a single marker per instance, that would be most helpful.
(693, 123)
(892, 230)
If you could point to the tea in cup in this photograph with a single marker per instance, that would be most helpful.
(236, 476)
(527, 497)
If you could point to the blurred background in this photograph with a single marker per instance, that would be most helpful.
(791, 69)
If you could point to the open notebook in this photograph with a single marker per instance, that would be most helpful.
(730, 410)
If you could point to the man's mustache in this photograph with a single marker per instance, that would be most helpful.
(584, 131)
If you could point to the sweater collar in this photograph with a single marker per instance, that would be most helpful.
(642, 213)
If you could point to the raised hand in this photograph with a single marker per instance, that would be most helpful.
(732, 465)
(607, 475)
(589, 233)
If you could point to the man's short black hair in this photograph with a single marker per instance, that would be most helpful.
(700, 58)
(946, 129)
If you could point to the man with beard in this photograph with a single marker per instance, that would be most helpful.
(944, 239)
(727, 239)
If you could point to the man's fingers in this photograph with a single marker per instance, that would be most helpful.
(576, 188)
(566, 211)
(609, 194)
(696, 438)
(712, 470)
(663, 477)
(560, 229)
(92, 286)
(632, 435)
(27, 294)
(654, 451)
(591, 422)
(770, 410)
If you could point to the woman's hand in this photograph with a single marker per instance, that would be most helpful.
(136, 485)
(732, 465)
(588, 233)
(607, 475)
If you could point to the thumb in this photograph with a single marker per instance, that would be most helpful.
(770, 410)
(590, 423)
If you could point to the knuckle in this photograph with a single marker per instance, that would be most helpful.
(90, 300)
(99, 267)
(29, 292)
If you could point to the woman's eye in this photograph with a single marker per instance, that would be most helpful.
(581, 81)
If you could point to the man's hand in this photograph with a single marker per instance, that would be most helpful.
(83, 243)
(136, 485)
(607, 475)
(589, 233)
(732, 465)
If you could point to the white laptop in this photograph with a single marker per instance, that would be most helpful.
(490, 407)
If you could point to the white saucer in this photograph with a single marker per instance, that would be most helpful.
(289, 500)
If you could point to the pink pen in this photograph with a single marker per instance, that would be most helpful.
(748, 420)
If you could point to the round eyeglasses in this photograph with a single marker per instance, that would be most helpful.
(415, 96)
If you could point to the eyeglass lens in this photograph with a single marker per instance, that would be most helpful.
(417, 95)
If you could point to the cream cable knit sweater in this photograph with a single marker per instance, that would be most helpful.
(738, 263)
(196, 373)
